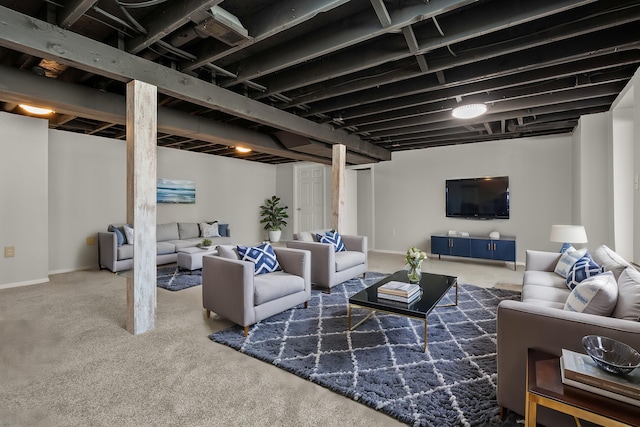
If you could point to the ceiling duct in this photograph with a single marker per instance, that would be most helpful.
(225, 27)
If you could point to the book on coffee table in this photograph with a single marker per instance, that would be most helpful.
(580, 371)
(407, 300)
(402, 289)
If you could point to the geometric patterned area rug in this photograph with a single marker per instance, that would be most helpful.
(382, 364)
(174, 279)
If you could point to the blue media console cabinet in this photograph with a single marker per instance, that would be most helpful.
(502, 249)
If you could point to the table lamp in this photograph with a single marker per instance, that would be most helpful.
(568, 234)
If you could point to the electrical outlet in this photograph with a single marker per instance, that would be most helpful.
(9, 251)
(91, 241)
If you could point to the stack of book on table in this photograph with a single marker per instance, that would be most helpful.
(580, 371)
(399, 291)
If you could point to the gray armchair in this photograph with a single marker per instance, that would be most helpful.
(230, 288)
(328, 267)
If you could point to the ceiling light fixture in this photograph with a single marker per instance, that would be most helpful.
(469, 111)
(36, 110)
(243, 150)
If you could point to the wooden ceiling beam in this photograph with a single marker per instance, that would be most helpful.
(81, 101)
(29, 35)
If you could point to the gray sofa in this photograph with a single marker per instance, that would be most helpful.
(539, 321)
(170, 238)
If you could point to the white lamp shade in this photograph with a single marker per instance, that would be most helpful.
(568, 234)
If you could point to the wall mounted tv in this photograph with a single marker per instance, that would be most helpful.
(478, 198)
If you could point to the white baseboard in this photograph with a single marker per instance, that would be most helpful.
(26, 283)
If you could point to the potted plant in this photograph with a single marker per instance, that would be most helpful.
(273, 217)
(206, 243)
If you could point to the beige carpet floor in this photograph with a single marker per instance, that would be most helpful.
(66, 360)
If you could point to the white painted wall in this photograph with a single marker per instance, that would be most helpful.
(623, 176)
(350, 220)
(285, 180)
(23, 200)
(366, 211)
(410, 191)
(227, 190)
(593, 196)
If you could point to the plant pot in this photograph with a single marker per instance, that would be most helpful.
(274, 236)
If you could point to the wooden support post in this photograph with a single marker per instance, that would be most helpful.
(142, 107)
(338, 164)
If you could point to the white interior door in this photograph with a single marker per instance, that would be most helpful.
(310, 198)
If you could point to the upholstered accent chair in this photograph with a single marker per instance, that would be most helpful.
(328, 267)
(231, 289)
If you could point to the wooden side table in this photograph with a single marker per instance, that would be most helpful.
(545, 388)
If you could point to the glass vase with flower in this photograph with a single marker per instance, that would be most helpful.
(414, 258)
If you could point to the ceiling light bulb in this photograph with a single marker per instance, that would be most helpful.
(36, 110)
(469, 111)
(243, 150)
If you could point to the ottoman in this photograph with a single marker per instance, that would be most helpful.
(191, 258)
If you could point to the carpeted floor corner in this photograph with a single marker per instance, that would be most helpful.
(381, 364)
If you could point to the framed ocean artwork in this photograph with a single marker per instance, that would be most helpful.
(176, 191)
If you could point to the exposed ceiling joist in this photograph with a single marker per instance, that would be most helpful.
(73, 10)
(329, 71)
(383, 51)
(74, 50)
(382, 12)
(354, 30)
(284, 14)
(165, 20)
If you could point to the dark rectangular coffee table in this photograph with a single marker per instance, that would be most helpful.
(434, 288)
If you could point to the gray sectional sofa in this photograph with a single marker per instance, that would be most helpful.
(541, 321)
(116, 254)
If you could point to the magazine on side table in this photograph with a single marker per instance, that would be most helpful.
(580, 371)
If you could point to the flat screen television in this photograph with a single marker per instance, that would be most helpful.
(478, 198)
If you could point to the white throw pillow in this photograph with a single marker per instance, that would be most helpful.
(226, 251)
(568, 258)
(305, 236)
(595, 295)
(610, 260)
(209, 230)
(128, 233)
(628, 306)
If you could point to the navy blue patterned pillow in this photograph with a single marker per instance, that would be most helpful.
(334, 238)
(584, 268)
(262, 256)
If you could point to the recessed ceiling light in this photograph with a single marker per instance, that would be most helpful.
(243, 150)
(36, 110)
(469, 111)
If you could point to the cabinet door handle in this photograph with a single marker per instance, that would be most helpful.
(488, 246)
(494, 246)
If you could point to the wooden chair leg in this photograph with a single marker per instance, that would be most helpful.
(208, 313)
(246, 331)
